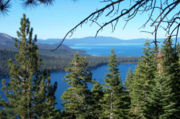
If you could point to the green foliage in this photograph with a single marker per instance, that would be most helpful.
(171, 73)
(96, 96)
(29, 92)
(115, 102)
(59, 60)
(129, 79)
(163, 102)
(143, 79)
(160, 103)
(76, 97)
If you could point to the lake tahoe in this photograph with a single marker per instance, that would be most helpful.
(104, 50)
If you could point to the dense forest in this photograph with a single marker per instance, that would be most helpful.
(57, 61)
(150, 92)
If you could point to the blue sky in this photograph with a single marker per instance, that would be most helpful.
(54, 21)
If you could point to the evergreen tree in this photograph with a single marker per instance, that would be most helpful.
(160, 97)
(76, 98)
(96, 96)
(171, 73)
(115, 102)
(129, 79)
(29, 92)
(163, 102)
(143, 80)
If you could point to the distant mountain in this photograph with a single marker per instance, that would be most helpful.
(52, 61)
(96, 41)
(91, 40)
(85, 40)
(7, 42)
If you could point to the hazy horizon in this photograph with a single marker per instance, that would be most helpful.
(56, 20)
(69, 38)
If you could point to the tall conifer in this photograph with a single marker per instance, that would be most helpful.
(163, 102)
(29, 92)
(171, 72)
(143, 80)
(76, 98)
(129, 79)
(115, 102)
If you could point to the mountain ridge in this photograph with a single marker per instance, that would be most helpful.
(92, 40)
(97, 40)
(53, 42)
(7, 42)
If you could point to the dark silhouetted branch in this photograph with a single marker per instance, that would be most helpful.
(161, 14)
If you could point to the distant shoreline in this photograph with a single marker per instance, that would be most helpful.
(91, 68)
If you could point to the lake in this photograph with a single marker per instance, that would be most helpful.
(99, 72)
(104, 50)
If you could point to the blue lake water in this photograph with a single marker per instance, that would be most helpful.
(98, 74)
(104, 50)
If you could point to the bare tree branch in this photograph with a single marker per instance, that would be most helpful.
(164, 13)
(92, 17)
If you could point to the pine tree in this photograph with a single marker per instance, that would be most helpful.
(96, 96)
(163, 101)
(29, 92)
(160, 96)
(129, 79)
(143, 81)
(115, 102)
(76, 98)
(171, 73)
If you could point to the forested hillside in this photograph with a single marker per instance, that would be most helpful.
(52, 60)
(58, 60)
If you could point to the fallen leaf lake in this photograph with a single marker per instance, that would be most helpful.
(99, 73)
